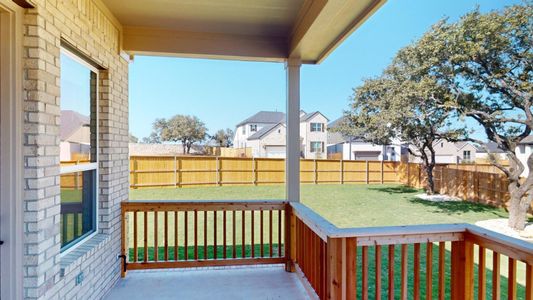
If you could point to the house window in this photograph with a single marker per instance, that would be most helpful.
(466, 155)
(317, 147)
(522, 149)
(244, 130)
(317, 127)
(78, 149)
(253, 128)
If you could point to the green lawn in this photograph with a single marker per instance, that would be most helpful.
(344, 206)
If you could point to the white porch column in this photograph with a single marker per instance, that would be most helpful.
(292, 162)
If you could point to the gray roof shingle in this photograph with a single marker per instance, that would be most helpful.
(265, 117)
(263, 131)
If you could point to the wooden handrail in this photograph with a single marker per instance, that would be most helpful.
(342, 243)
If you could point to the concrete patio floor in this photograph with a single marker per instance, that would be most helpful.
(251, 282)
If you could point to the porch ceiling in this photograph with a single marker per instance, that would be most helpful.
(262, 30)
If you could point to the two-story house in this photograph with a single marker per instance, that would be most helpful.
(265, 133)
(447, 152)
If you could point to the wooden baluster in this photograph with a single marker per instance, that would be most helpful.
(243, 229)
(404, 272)
(166, 235)
(224, 221)
(429, 270)
(205, 234)
(416, 263)
(135, 237)
(270, 233)
(378, 272)
(529, 282)
(261, 234)
(462, 270)
(215, 256)
(145, 254)
(511, 284)
(365, 272)
(442, 272)
(234, 224)
(186, 234)
(351, 267)
(279, 232)
(195, 234)
(156, 242)
(391, 272)
(495, 275)
(252, 230)
(482, 275)
(176, 244)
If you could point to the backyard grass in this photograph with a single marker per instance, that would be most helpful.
(345, 206)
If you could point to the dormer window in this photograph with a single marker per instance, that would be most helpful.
(317, 127)
(253, 128)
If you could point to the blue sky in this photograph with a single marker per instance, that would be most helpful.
(222, 93)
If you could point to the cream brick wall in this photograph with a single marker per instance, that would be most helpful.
(47, 274)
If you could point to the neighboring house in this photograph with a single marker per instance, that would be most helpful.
(75, 136)
(349, 148)
(451, 153)
(524, 151)
(265, 133)
(482, 153)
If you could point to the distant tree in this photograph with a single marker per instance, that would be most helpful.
(155, 136)
(486, 61)
(181, 128)
(133, 139)
(397, 106)
(223, 138)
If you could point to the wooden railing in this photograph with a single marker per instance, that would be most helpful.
(447, 261)
(177, 234)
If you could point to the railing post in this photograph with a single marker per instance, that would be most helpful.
(124, 252)
(290, 239)
(341, 268)
(462, 270)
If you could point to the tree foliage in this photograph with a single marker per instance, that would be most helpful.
(223, 138)
(184, 129)
(485, 61)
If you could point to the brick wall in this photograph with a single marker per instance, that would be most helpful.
(48, 274)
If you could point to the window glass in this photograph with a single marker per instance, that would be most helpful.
(317, 127)
(78, 149)
(77, 205)
(253, 128)
(317, 146)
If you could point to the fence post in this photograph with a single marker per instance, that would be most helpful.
(408, 174)
(382, 181)
(254, 172)
(175, 171)
(367, 171)
(342, 171)
(179, 165)
(217, 166)
(316, 171)
(462, 270)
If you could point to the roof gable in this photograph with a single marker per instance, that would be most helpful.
(264, 131)
(71, 122)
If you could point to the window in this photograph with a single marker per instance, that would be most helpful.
(522, 149)
(243, 129)
(317, 147)
(78, 149)
(466, 155)
(317, 127)
(253, 128)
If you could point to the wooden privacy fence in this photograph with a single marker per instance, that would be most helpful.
(182, 171)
